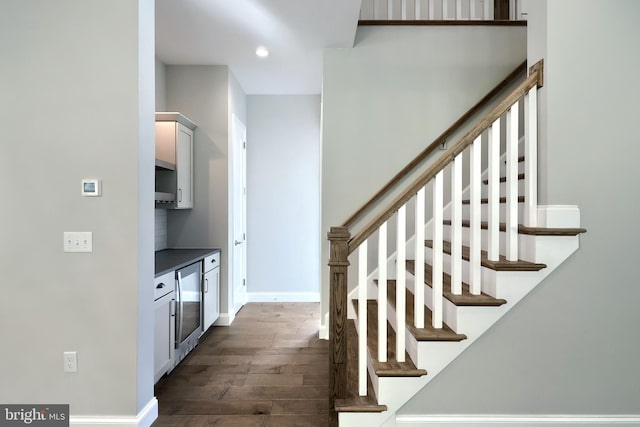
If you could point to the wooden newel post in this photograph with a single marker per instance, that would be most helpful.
(338, 266)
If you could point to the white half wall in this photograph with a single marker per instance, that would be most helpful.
(283, 197)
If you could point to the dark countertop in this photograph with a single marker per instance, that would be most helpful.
(172, 259)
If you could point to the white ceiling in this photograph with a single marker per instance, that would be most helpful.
(227, 32)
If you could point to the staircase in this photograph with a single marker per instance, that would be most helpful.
(466, 263)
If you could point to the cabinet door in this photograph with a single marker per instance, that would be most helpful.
(184, 167)
(164, 334)
(211, 289)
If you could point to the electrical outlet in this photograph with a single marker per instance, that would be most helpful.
(70, 361)
(78, 241)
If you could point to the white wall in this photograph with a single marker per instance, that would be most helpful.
(283, 180)
(390, 96)
(206, 94)
(571, 347)
(77, 87)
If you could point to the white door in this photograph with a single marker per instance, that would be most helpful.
(239, 217)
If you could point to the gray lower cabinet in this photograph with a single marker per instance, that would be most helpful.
(164, 324)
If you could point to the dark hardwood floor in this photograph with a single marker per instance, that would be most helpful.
(267, 369)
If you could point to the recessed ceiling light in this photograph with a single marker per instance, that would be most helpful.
(262, 52)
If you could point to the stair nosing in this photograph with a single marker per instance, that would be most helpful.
(530, 231)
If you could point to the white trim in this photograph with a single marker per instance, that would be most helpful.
(323, 333)
(145, 418)
(225, 319)
(558, 216)
(283, 296)
(520, 420)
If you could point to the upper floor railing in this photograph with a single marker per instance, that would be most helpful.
(439, 10)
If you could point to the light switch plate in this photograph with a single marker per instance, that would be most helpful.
(78, 241)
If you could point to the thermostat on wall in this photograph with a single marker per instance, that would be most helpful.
(91, 187)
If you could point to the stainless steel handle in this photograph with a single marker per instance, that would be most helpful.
(179, 312)
(206, 285)
(179, 194)
(172, 308)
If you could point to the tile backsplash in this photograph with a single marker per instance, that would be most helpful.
(161, 229)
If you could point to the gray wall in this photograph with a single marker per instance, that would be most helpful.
(161, 85)
(283, 180)
(390, 96)
(68, 113)
(206, 94)
(571, 347)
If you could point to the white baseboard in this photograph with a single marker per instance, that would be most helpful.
(225, 319)
(145, 418)
(516, 420)
(283, 296)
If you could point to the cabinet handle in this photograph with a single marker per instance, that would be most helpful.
(179, 194)
(206, 286)
(160, 285)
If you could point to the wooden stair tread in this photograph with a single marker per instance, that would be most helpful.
(531, 231)
(485, 201)
(501, 265)
(353, 402)
(504, 178)
(428, 333)
(390, 368)
(466, 298)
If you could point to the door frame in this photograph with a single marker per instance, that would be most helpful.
(238, 216)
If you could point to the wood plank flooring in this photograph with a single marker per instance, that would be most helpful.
(267, 369)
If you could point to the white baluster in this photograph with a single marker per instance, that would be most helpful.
(472, 9)
(456, 225)
(403, 11)
(459, 10)
(418, 292)
(432, 9)
(376, 9)
(362, 319)
(401, 283)
(390, 9)
(475, 245)
(488, 10)
(382, 293)
(436, 279)
(493, 207)
(511, 242)
(531, 158)
(446, 13)
(418, 13)
(513, 12)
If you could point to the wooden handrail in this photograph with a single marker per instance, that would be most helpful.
(435, 145)
(535, 79)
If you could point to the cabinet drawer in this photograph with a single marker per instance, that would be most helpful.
(164, 284)
(212, 261)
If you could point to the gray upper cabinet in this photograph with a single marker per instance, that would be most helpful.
(174, 160)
